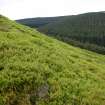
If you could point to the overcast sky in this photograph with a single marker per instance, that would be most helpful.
(17, 9)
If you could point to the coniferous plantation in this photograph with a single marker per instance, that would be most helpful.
(39, 70)
(85, 30)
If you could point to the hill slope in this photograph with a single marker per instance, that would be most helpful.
(84, 30)
(38, 70)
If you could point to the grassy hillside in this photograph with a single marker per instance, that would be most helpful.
(84, 30)
(38, 70)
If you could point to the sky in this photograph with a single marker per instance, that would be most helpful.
(18, 9)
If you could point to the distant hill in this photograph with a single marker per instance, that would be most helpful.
(41, 21)
(84, 30)
(38, 70)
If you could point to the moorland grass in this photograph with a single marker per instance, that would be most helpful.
(38, 70)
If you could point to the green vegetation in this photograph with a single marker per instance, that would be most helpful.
(38, 70)
(84, 30)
